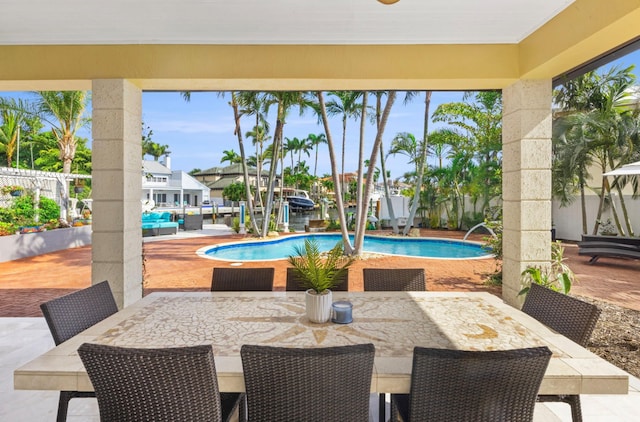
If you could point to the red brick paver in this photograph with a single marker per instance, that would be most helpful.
(173, 265)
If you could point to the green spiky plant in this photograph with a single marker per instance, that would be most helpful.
(318, 271)
(558, 277)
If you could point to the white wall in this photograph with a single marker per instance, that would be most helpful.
(568, 220)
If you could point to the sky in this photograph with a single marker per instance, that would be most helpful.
(197, 132)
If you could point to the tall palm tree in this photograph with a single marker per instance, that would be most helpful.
(243, 161)
(64, 111)
(383, 159)
(345, 104)
(252, 103)
(314, 142)
(260, 136)
(284, 102)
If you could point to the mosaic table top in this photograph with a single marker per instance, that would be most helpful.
(394, 322)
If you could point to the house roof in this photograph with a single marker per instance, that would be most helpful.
(154, 167)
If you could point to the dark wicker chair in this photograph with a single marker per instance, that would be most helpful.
(172, 384)
(321, 384)
(568, 316)
(458, 385)
(394, 279)
(293, 283)
(69, 315)
(236, 279)
(390, 280)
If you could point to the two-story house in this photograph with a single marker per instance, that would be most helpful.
(171, 188)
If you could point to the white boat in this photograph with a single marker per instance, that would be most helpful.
(298, 199)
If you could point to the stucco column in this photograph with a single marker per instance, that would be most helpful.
(117, 166)
(526, 181)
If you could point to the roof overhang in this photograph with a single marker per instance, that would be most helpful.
(585, 29)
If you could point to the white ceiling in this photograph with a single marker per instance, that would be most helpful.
(272, 21)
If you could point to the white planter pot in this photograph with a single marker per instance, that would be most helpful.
(318, 306)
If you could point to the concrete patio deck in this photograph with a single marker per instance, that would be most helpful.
(172, 264)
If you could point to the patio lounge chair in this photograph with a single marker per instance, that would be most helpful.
(609, 246)
(314, 384)
(458, 385)
(171, 384)
(570, 317)
(69, 315)
(251, 279)
(293, 282)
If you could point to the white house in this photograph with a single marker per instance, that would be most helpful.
(170, 188)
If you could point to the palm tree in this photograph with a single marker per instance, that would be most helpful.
(480, 124)
(13, 113)
(346, 105)
(260, 136)
(594, 109)
(231, 156)
(64, 111)
(238, 132)
(252, 103)
(284, 101)
(314, 142)
(383, 159)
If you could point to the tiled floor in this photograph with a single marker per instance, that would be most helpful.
(22, 339)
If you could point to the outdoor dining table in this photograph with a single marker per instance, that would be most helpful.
(395, 322)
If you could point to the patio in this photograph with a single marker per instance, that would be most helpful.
(51, 275)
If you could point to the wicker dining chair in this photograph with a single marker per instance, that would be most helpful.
(311, 384)
(390, 280)
(571, 317)
(293, 282)
(69, 315)
(170, 384)
(459, 385)
(394, 279)
(236, 279)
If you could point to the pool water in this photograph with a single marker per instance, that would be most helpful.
(261, 250)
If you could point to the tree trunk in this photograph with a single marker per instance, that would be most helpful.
(245, 171)
(359, 241)
(272, 171)
(361, 207)
(348, 249)
(423, 160)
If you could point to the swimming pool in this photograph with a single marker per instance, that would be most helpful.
(281, 248)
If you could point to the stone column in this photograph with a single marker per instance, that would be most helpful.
(117, 187)
(526, 182)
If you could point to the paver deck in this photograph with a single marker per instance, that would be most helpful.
(172, 264)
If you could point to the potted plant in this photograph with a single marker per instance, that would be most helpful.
(318, 273)
(13, 190)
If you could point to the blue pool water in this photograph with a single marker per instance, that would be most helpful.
(283, 247)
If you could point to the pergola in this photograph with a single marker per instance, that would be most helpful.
(119, 48)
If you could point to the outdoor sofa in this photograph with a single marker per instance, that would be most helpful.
(158, 223)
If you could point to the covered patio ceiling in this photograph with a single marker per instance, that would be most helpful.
(294, 44)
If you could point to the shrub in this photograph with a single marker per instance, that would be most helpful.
(7, 229)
